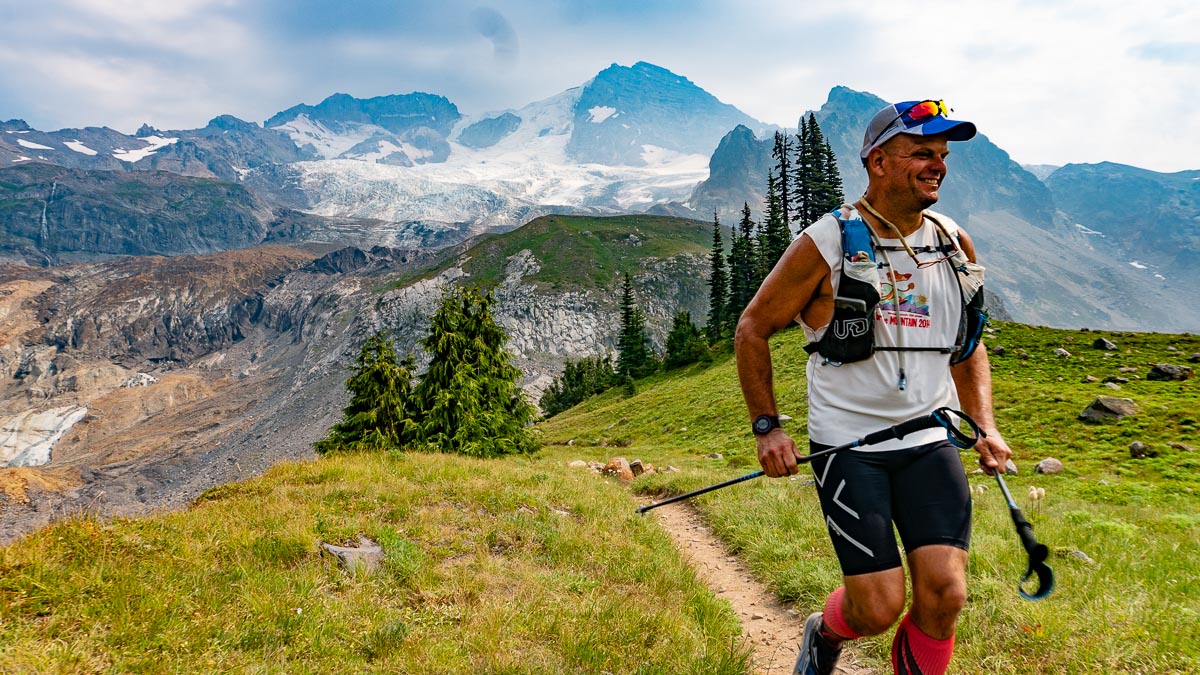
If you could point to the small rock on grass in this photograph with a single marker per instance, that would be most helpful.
(1048, 466)
(367, 555)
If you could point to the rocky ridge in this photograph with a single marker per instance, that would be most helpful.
(208, 368)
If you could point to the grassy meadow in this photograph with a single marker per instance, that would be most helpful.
(525, 565)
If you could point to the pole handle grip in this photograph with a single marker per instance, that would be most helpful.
(901, 430)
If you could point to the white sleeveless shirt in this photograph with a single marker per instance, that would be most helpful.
(920, 308)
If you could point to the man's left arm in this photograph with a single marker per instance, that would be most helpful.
(973, 380)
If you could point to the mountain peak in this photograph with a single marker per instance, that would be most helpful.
(624, 113)
(230, 123)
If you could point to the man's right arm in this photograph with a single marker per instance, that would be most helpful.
(797, 280)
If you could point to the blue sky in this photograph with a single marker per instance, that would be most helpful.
(1050, 82)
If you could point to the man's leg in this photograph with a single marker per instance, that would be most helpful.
(855, 500)
(924, 640)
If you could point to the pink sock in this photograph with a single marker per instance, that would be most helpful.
(915, 653)
(835, 620)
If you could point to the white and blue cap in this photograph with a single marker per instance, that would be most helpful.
(919, 118)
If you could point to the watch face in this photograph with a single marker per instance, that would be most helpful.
(762, 424)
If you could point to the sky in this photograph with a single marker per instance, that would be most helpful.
(1050, 82)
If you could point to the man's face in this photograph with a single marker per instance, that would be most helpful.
(914, 168)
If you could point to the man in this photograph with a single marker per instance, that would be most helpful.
(917, 482)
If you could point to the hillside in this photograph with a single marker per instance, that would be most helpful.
(238, 577)
(166, 376)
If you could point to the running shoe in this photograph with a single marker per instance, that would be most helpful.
(816, 656)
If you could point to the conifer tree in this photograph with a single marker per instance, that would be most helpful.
(718, 286)
(469, 398)
(801, 181)
(818, 182)
(634, 357)
(685, 345)
(777, 236)
(381, 412)
(580, 379)
(743, 269)
(830, 194)
(782, 152)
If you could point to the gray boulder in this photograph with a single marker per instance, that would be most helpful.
(1168, 371)
(1108, 408)
(1048, 466)
(367, 556)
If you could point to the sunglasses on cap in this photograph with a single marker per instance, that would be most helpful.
(915, 114)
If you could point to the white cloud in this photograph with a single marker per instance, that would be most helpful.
(1051, 82)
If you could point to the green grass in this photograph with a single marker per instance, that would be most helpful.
(512, 567)
(581, 252)
(525, 565)
(1137, 609)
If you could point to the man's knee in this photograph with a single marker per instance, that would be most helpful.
(939, 581)
(942, 595)
(873, 605)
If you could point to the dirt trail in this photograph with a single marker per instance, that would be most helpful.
(771, 628)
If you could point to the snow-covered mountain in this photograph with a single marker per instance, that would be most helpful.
(504, 167)
(629, 140)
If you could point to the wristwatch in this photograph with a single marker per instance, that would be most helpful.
(764, 424)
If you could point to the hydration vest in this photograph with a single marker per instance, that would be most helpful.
(850, 335)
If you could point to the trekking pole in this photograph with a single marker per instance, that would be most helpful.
(1037, 552)
(938, 418)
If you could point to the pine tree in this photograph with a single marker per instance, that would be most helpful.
(830, 194)
(634, 357)
(818, 182)
(579, 381)
(469, 398)
(782, 152)
(743, 269)
(381, 412)
(777, 236)
(685, 344)
(801, 181)
(718, 286)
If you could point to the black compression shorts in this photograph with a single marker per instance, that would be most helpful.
(923, 490)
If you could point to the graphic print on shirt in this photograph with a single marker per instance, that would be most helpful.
(899, 303)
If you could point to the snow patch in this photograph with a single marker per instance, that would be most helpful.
(1087, 230)
(1138, 265)
(79, 147)
(22, 159)
(600, 113)
(26, 438)
(1159, 276)
(329, 143)
(154, 144)
(31, 145)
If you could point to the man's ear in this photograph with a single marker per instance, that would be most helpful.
(875, 161)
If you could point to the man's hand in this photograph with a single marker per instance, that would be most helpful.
(777, 453)
(994, 453)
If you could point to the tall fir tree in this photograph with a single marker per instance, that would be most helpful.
(743, 269)
(801, 181)
(634, 356)
(718, 287)
(381, 414)
(818, 182)
(830, 193)
(782, 152)
(776, 235)
(468, 396)
(685, 344)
